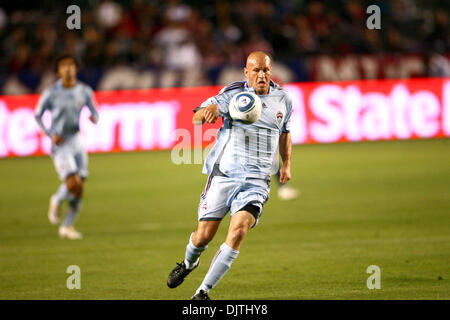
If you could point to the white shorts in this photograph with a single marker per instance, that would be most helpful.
(223, 194)
(70, 158)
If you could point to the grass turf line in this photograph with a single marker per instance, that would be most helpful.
(382, 203)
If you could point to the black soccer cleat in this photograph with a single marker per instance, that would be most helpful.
(201, 295)
(176, 277)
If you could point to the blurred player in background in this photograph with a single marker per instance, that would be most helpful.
(64, 100)
(239, 171)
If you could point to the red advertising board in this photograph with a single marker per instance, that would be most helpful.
(322, 113)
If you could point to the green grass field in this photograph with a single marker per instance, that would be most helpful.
(361, 204)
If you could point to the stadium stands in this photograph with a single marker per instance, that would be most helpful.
(144, 44)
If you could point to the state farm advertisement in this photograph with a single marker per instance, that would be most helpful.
(155, 119)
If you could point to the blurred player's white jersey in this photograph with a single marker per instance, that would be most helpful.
(247, 150)
(65, 105)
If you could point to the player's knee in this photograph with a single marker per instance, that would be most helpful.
(70, 183)
(202, 238)
(75, 185)
(80, 188)
(238, 233)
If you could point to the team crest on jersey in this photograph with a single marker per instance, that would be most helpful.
(279, 117)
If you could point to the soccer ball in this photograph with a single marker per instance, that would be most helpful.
(246, 107)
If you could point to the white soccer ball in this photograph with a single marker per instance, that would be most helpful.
(246, 107)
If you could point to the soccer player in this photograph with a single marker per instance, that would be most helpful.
(64, 100)
(239, 170)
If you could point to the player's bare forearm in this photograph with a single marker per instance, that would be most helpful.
(285, 146)
(208, 114)
(39, 121)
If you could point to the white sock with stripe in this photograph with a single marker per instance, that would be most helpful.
(220, 264)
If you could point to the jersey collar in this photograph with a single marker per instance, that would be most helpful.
(60, 85)
(251, 89)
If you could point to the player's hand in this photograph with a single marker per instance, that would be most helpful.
(93, 119)
(285, 173)
(57, 140)
(211, 113)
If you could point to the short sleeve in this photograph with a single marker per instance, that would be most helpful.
(43, 103)
(206, 103)
(287, 120)
(90, 102)
(222, 100)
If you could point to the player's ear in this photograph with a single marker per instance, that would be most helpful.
(246, 71)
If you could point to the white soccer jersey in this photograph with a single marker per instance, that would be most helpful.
(247, 150)
(65, 105)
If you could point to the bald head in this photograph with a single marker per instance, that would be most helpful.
(258, 57)
(258, 71)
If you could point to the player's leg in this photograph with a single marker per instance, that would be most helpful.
(56, 200)
(198, 242)
(246, 209)
(75, 186)
(241, 222)
(64, 164)
(212, 208)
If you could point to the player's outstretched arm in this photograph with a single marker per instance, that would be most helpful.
(285, 153)
(57, 139)
(92, 105)
(43, 105)
(208, 114)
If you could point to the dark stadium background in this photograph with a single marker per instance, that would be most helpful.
(191, 43)
(383, 203)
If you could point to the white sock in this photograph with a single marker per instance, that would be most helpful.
(192, 254)
(72, 212)
(62, 193)
(220, 264)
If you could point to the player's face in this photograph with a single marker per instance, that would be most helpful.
(67, 70)
(258, 71)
